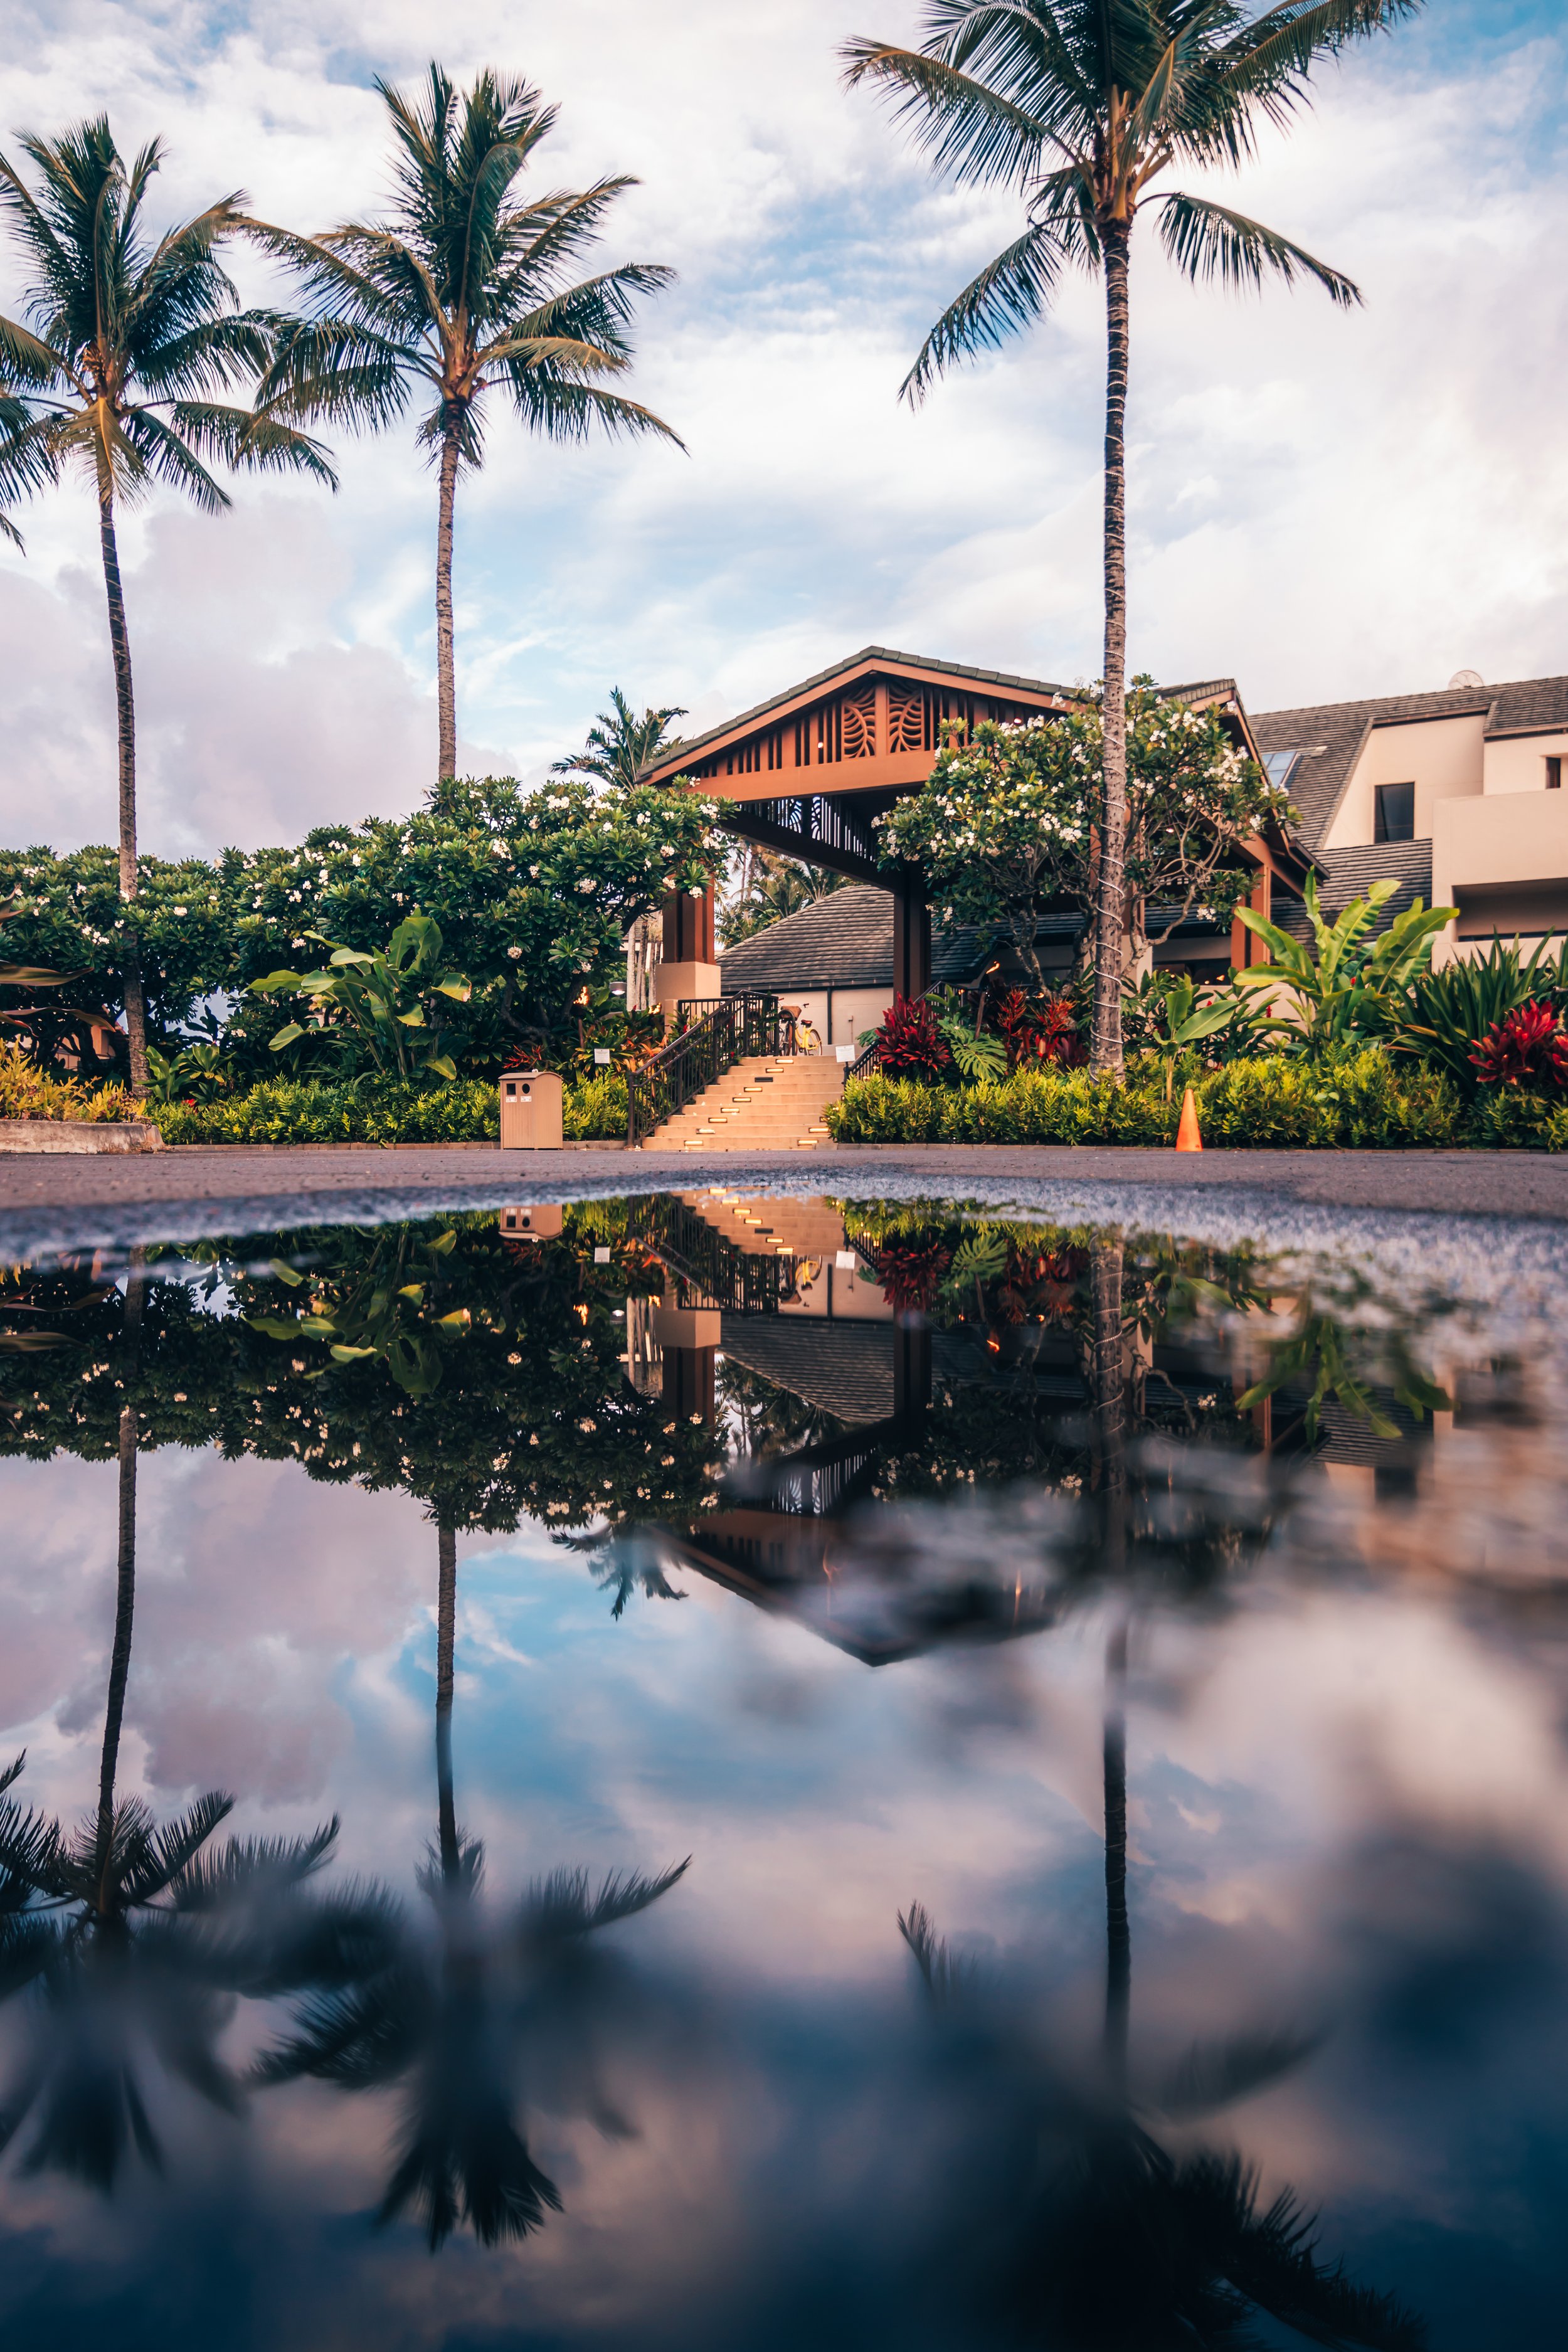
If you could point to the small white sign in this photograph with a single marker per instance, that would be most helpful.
(601, 1257)
(844, 1262)
(845, 1052)
(602, 1055)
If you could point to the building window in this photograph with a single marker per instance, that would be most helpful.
(1395, 817)
(1554, 772)
(1279, 767)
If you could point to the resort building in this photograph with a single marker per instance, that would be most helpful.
(807, 773)
(1458, 795)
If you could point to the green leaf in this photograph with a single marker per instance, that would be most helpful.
(345, 1355)
(289, 1274)
(274, 1327)
(286, 1036)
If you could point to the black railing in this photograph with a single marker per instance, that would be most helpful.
(714, 1034)
(710, 1269)
(869, 1060)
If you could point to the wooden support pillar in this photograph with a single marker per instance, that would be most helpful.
(911, 934)
(689, 927)
(912, 1368)
(1246, 947)
(689, 1390)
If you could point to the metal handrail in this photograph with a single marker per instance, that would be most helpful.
(730, 1028)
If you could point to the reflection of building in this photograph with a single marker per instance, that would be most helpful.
(1457, 796)
(836, 1400)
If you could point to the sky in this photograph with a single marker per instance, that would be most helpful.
(1321, 505)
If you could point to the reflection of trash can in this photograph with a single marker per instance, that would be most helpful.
(536, 1224)
(530, 1111)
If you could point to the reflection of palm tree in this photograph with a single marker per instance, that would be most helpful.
(452, 2017)
(1116, 2244)
(135, 1935)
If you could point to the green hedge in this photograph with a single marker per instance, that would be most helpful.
(379, 1111)
(1358, 1101)
(596, 1111)
(295, 1110)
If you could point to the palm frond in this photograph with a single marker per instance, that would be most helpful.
(160, 1855)
(1210, 2074)
(255, 442)
(481, 2173)
(561, 1906)
(966, 128)
(209, 1880)
(943, 1976)
(1207, 240)
(357, 2035)
(1008, 295)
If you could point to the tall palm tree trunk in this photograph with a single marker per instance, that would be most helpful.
(1110, 908)
(446, 1641)
(1118, 1926)
(1108, 1376)
(446, 671)
(125, 704)
(126, 1578)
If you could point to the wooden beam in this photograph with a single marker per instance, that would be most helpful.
(788, 844)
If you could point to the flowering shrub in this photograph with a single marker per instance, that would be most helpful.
(910, 1273)
(909, 1045)
(1007, 822)
(1526, 1049)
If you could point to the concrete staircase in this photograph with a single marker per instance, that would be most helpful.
(764, 1104)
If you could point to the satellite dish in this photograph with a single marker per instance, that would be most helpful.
(1465, 678)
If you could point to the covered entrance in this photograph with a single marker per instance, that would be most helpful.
(807, 774)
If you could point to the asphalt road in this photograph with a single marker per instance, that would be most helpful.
(51, 1200)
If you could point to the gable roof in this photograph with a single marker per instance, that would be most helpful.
(1347, 874)
(845, 941)
(676, 757)
(1332, 734)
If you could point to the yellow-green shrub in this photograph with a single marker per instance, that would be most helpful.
(27, 1092)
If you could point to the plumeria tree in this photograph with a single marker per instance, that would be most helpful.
(534, 893)
(1010, 822)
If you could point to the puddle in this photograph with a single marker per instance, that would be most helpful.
(715, 1770)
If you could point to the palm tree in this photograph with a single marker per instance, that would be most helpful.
(1084, 105)
(136, 1937)
(127, 338)
(619, 743)
(449, 2016)
(463, 291)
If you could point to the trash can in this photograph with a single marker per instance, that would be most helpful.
(530, 1111)
(534, 1224)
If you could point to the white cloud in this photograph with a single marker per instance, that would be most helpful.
(1323, 505)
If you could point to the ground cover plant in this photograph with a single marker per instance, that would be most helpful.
(27, 1092)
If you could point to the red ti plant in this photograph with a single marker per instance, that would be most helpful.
(909, 1043)
(910, 1273)
(1037, 1030)
(1526, 1049)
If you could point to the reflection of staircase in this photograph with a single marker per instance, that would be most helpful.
(754, 1221)
(763, 1104)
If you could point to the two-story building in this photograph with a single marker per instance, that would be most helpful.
(1458, 795)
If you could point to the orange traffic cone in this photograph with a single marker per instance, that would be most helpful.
(1187, 1136)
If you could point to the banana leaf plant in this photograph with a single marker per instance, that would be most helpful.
(384, 1306)
(1177, 1019)
(1348, 984)
(379, 997)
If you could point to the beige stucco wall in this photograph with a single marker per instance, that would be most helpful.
(1517, 763)
(1443, 758)
(1492, 843)
(854, 1009)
